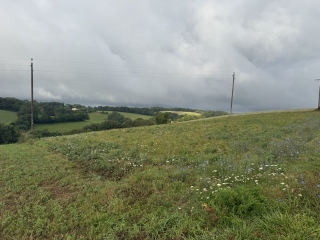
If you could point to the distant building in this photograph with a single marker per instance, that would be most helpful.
(74, 109)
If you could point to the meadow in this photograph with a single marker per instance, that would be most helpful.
(7, 117)
(245, 177)
(95, 117)
(185, 113)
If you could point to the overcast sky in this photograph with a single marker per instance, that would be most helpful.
(170, 53)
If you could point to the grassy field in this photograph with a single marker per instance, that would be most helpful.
(185, 113)
(95, 117)
(245, 177)
(7, 117)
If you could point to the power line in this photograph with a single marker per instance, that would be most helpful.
(207, 74)
(111, 70)
(14, 70)
(17, 65)
(104, 64)
(149, 76)
(170, 76)
(12, 58)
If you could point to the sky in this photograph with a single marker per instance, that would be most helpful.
(169, 53)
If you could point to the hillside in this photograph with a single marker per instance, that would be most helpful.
(94, 117)
(246, 177)
(7, 117)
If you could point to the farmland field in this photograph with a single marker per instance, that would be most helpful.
(246, 177)
(7, 117)
(95, 117)
(184, 113)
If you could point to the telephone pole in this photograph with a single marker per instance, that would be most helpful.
(233, 78)
(319, 95)
(31, 94)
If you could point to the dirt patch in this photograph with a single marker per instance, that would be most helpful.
(57, 191)
(12, 202)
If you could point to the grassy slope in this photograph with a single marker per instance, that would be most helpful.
(95, 117)
(184, 113)
(258, 174)
(7, 117)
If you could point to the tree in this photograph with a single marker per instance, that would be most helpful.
(162, 118)
(117, 117)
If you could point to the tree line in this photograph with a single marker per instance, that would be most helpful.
(56, 112)
(43, 112)
(115, 120)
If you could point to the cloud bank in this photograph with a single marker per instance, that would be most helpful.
(163, 53)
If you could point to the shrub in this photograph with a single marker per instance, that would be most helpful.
(8, 134)
(241, 201)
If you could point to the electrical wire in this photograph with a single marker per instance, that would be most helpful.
(141, 73)
(51, 60)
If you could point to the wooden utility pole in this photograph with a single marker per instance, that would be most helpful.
(319, 95)
(233, 78)
(31, 94)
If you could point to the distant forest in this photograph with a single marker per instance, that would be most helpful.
(56, 112)
(43, 112)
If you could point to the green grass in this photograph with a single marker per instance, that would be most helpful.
(184, 113)
(95, 117)
(245, 177)
(7, 117)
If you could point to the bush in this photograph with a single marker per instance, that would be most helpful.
(8, 134)
(241, 201)
(44, 133)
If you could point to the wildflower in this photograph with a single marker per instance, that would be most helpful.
(218, 185)
(205, 189)
(284, 189)
(300, 195)
(282, 183)
(191, 186)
